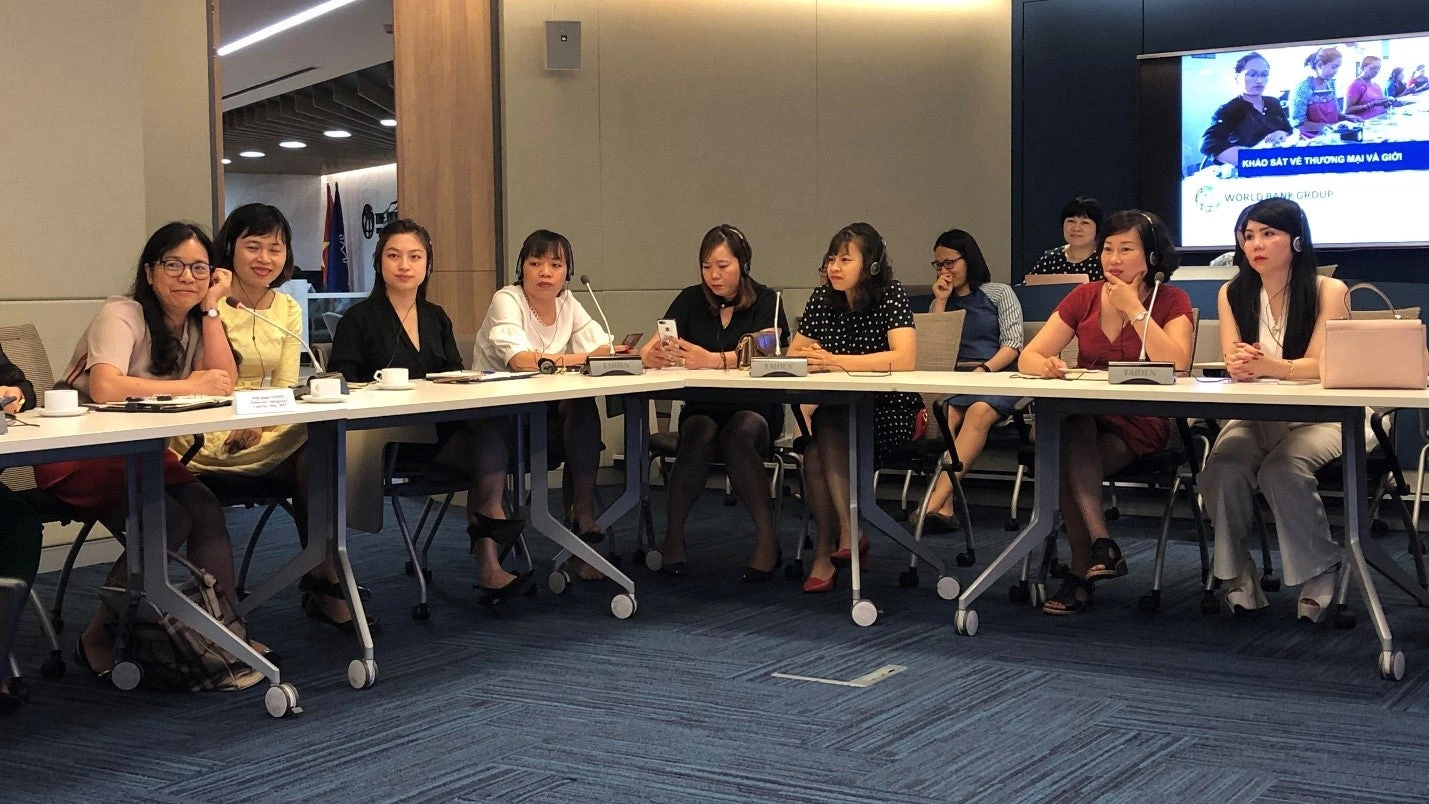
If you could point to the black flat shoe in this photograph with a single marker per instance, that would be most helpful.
(753, 575)
(677, 569)
(81, 659)
(312, 588)
(520, 585)
(935, 523)
(504, 532)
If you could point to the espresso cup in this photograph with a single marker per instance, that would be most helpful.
(391, 377)
(61, 400)
(325, 387)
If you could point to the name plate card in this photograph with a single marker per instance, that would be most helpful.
(264, 400)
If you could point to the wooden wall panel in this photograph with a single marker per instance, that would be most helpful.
(446, 167)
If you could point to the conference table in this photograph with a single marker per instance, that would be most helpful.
(142, 437)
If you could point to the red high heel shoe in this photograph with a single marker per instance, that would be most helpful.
(815, 586)
(842, 557)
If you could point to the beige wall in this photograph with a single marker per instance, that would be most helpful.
(105, 137)
(785, 117)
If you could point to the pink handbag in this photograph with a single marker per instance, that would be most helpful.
(1363, 352)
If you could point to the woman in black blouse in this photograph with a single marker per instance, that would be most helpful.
(858, 320)
(711, 317)
(395, 326)
(1248, 119)
(21, 534)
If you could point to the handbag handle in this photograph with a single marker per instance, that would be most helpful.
(1387, 303)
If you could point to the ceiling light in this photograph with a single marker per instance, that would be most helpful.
(388, 122)
(283, 25)
(337, 133)
(292, 144)
(227, 161)
(252, 154)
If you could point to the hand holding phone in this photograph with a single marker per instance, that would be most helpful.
(667, 330)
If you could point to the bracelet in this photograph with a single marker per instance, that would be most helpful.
(984, 367)
(1289, 369)
(723, 362)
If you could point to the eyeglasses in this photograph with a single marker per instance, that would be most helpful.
(1257, 73)
(174, 267)
(943, 265)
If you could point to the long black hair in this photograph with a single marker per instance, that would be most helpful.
(391, 230)
(166, 350)
(874, 249)
(255, 220)
(965, 244)
(1302, 298)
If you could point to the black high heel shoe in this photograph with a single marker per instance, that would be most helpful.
(523, 584)
(753, 575)
(312, 587)
(504, 532)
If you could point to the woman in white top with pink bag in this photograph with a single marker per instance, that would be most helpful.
(532, 324)
(1278, 296)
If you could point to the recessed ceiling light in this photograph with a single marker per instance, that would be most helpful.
(283, 25)
(388, 122)
(337, 133)
(252, 154)
(227, 161)
(292, 144)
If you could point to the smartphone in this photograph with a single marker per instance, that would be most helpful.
(666, 329)
(632, 340)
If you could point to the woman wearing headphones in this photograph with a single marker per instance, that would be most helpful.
(537, 324)
(1273, 316)
(1109, 320)
(711, 318)
(858, 320)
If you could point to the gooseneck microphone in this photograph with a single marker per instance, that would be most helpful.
(778, 307)
(1146, 327)
(585, 280)
(233, 302)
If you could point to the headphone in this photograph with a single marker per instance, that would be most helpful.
(876, 266)
(739, 245)
(1297, 244)
(1153, 255)
(548, 366)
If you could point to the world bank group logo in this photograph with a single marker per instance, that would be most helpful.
(1206, 198)
(372, 221)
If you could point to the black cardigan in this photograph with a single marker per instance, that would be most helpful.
(10, 374)
(370, 337)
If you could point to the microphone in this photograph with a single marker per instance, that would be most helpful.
(778, 306)
(585, 280)
(233, 302)
(1146, 327)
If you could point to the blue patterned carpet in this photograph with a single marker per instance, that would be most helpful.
(557, 701)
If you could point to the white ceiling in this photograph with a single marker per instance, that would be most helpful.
(337, 43)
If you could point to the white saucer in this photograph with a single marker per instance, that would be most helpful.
(62, 414)
(324, 400)
(379, 386)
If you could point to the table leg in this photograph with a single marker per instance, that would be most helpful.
(1039, 525)
(1391, 663)
(637, 434)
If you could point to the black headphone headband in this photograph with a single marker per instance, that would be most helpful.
(1153, 254)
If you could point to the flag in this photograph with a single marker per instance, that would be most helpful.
(327, 228)
(335, 278)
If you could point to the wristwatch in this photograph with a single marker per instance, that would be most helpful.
(211, 312)
(1141, 316)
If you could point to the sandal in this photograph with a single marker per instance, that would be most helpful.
(523, 584)
(1315, 596)
(1107, 561)
(1075, 596)
(504, 532)
(81, 659)
(1246, 596)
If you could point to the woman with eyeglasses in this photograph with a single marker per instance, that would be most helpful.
(1110, 320)
(992, 339)
(165, 337)
(1078, 254)
(1248, 119)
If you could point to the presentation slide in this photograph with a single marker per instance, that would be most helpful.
(1340, 128)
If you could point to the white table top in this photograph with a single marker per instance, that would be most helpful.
(370, 403)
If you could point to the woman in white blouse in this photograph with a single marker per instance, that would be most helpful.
(529, 323)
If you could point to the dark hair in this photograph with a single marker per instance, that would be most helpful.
(871, 246)
(1301, 299)
(1241, 63)
(166, 351)
(255, 220)
(1083, 206)
(1151, 231)
(726, 235)
(542, 243)
(1397, 74)
(1321, 57)
(391, 230)
(965, 244)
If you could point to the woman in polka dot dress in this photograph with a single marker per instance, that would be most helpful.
(858, 320)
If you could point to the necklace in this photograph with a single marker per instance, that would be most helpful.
(544, 342)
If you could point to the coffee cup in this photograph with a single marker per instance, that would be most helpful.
(391, 377)
(61, 400)
(325, 387)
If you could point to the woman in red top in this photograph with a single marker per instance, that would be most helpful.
(1108, 318)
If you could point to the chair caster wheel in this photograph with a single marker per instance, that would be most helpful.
(793, 571)
(654, 560)
(1209, 604)
(864, 613)
(559, 581)
(615, 560)
(1270, 583)
(908, 579)
(421, 613)
(948, 587)
(1039, 595)
(1012, 524)
(127, 676)
(281, 700)
(1391, 665)
(966, 622)
(1150, 602)
(623, 606)
(1344, 619)
(966, 559)
(1019, 592)
(1379, 528)
(58, 623)
(1113, 514)
(53, 668)
(361, 673)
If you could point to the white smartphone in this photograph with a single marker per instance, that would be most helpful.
(666, 329)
